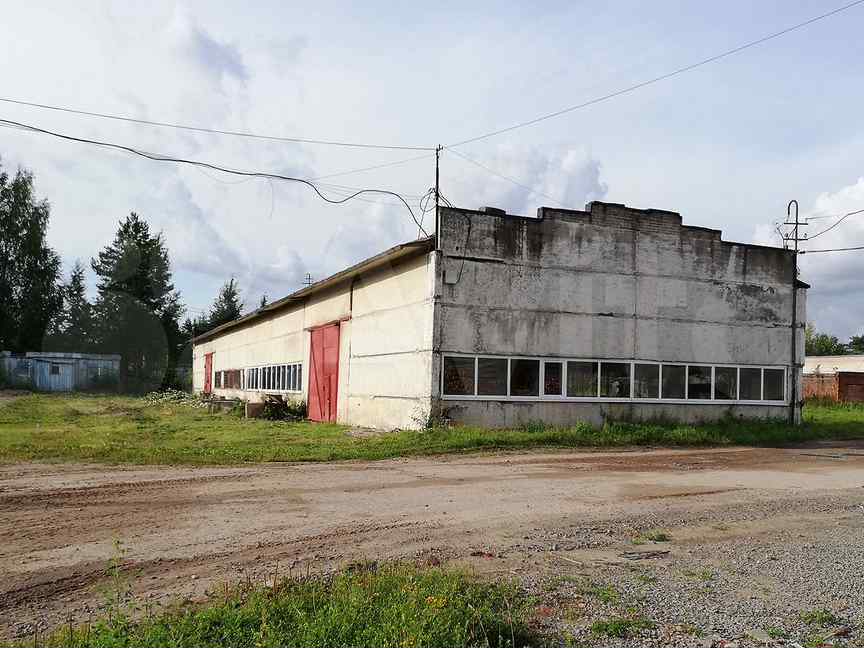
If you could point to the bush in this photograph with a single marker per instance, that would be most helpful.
(173, 397)
(277, 408)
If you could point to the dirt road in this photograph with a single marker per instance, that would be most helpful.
(533, 515)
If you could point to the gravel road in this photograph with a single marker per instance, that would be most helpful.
(735, 546)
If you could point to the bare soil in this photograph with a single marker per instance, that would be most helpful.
(535, 516)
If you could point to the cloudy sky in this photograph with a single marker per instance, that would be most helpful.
(727, 145)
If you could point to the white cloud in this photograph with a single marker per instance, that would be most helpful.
(836, 298)
(567, 174)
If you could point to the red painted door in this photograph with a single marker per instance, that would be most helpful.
(323, 373)
(208, 373)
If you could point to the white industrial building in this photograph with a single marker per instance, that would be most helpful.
(608, 313)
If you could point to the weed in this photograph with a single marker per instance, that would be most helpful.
(651, 536)
(703, 575)
(776, 633)
(604, 593)
(620, 627)
(648, 579)
(390, 605)
(820, 617)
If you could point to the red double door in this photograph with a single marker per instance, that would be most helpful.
(324, 373)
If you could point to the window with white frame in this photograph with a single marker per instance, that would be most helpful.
(498, 377)
(275, 378)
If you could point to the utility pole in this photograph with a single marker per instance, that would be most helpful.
(793, 365)
(437, 194)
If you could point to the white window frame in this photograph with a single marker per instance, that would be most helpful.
(281, 378)
(632, 398)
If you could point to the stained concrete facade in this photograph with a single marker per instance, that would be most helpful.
(611, 285)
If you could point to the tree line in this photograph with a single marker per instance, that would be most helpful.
(137, 310)
(816, 343)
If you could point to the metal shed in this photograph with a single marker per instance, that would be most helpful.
(60, 372)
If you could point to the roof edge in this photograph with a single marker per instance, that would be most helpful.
(403, 250)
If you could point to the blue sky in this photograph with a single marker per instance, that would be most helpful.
(726, 145)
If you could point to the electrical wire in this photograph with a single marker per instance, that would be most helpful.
(214, 167)
(846, 249)
(507, 178)
(377, 166)
(833, 225)
(212, 131)
(657, 79)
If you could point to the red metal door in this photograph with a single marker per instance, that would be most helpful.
(324, 373)
(208, 373)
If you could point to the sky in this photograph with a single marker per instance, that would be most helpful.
(727, 145)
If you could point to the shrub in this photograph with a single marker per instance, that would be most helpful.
(277, 408)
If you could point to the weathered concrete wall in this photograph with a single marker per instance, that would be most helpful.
(609, 283)
(385, 353)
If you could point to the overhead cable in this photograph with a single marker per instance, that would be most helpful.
(213, 131)
(208, 165)
(662, 77)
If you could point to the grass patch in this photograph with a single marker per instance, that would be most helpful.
(620, 627)
(604, 593)
(703, 575)
(820, 617)
(117, 429)
(396, 605)
(651, 536)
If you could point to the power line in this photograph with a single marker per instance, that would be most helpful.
(833, 225)
(378, 166)
(846, 249)
(657, 79)
(207, 165)
(213, 131)
(507, 178)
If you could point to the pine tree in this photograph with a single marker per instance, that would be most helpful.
(29, 269)
(138, 309)
(73, 328)
(263, 301)
(227, 306)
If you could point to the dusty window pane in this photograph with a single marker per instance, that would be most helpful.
(725, 383)
(773, 384)
(459, 376)
(524, 377)
(615, 379)
(582, 379)
(552, 378)
(674, 379)
(699, 382)
(492, 376)
(647, 381)
(751, 384)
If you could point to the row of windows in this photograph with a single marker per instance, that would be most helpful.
(285, 377)
(497, 377)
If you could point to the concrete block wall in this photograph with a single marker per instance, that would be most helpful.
(610, 282)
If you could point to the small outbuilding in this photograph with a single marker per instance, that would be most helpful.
(607, 313)
(837, 378)
(60, 372)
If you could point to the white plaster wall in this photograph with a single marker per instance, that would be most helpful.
(385, 351)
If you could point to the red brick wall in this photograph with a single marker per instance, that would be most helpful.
(821, 386)
(851, 386)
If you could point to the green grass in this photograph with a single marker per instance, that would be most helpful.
(395, 605)
(114, 429)
(651, 536)
(820, 617)
(620, 627)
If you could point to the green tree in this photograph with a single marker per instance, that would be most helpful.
(856, 344)
(816, 343)
(29, 269)
(227, 306)
(138, 309)
(73, 329)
